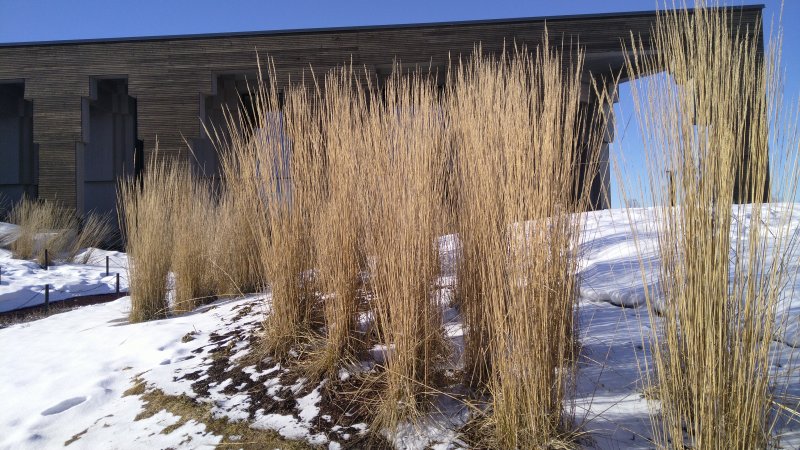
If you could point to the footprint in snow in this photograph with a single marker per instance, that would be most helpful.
(63, 406)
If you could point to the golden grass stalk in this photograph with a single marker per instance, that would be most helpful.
(336, 223)
(708, 123)
(193, 233)
(404, 139)
(519, 136)
(266, 166)
(145, 211)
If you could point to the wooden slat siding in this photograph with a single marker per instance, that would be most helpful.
(169, 76)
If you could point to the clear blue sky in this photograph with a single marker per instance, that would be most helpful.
(45, 20)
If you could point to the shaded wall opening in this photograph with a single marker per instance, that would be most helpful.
(110, 149)
(18, 154)
(231, 95)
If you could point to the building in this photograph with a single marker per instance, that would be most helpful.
(77, 115)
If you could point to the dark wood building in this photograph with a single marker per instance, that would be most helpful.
(72, 113)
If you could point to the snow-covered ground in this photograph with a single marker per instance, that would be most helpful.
(22, 283)
(63, 378)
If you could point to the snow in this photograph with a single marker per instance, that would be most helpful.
(22, 282)
(79, 363)
(63, 377)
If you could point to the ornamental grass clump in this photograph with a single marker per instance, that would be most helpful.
(710, 124)
(336, 227)
(267, 166)
(193, 234)
(43, 225)
(48, 225)
(405, 137)
(146, 213)
(236, 265)
(521, 141)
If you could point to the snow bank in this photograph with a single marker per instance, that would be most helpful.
(22, 283)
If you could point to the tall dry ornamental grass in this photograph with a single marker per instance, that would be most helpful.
(709, 125)
(193, 234)
(521, 139)
(236, 265)
(404, 138)
(146, 206)
(344, 187)
(336, 225)
(267, 162)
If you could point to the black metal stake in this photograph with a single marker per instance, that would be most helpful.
(46, 259)
(107, 271)
(47, 298)
(117, 283)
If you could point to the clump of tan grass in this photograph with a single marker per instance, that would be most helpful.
(404, 140)
(266, 163)
(336, 224)
(95, 231)
(521, 139)
(48, 225)
(43, 225)
(145, 211)
(236, 265)
(709, 125)
(193, 219)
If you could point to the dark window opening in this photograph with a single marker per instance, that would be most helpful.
(111, 149)
(18, 153)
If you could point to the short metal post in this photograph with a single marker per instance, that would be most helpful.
(117, 283)
(46, 259)
(107, 271)
(47, 298)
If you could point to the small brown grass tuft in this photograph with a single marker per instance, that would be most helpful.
(43, 225)
(95, 231)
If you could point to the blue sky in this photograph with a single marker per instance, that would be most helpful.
(45, 20)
